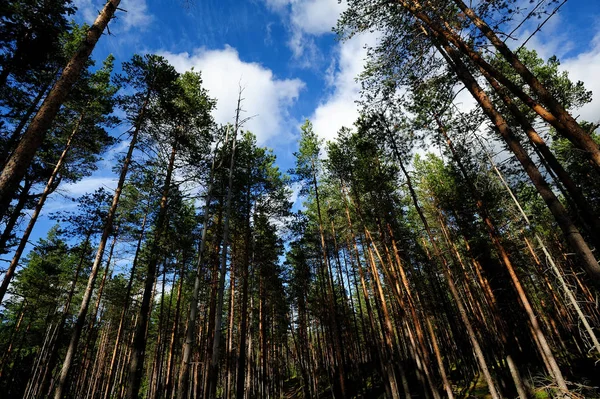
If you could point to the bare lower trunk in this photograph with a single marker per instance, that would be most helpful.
(174, 330)
(213, 368)
(108, 227)
(184, 372)
(139, 341)
(120, 329)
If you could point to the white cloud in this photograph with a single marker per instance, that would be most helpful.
(136, 17)
(316, 17)
(88, 185)
(585, 67)
(340, 108)
(307, 19)
(86, 10)
(295, 193)
(265, 96)
(278, 5)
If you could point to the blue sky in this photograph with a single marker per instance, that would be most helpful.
(292, 67)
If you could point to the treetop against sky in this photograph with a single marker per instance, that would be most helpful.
(286, 56)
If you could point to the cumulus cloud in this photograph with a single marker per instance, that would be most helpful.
(278, 5)
(307, 19)
(316, 17)
(339, 108)
(585, 67)
(136, 17)
(89, 185)
(266, 97)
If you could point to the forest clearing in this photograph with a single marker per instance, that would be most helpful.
(299, 199)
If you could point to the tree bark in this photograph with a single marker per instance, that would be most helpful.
(572, 234)
(576, 133)
(36, 212)
(190, 334)
(139, 340)
(21, 158)
(107, 231)
(213, 368)
(12, 223)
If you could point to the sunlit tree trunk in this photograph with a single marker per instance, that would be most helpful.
(32, 139)
(36, 212)
(139, 340)
(108, 228)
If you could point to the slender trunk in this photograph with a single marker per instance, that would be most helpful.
(53, 357)
(386, 370)
(121, 328)
(208, 336)
(139, 341)
(582, 205)
(537, 332)
(13, 335)
(108, 228)
(229, 351)
(174, 331)
(213, 368)
(190, 334)
(241, 364)
(10, 226)
(557, 117)
(559, 275)
(32, 139)
(457, 299)
(440, 361)
(36, 212)
(92, 335)
(14, 137)
(154, 371)
(337, 341)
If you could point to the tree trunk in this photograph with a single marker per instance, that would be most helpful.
(572, 234)
(139, 340)
(10, 226)
(53, 357)
(21, 158)
(213, 368)
(121, 328)
(337, 341)
(538, 334)
(241, 364)
(174, 331)
(108, 227)
(572, 130)
(457, 299)
(582, 205)
(559, 275)
(14, 137)
(562, 121)
(229, 350)
(190, 334)
(36, 212)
